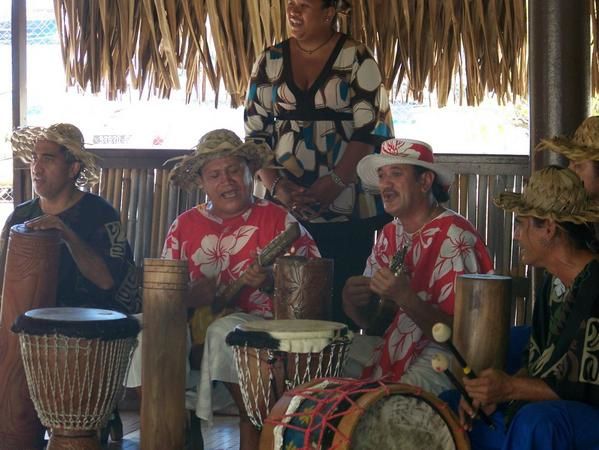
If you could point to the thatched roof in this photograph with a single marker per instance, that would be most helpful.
(478, 45)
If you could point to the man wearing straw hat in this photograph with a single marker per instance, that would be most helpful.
(96, 267)
(583, 152)
(219, 240)
(437, 246)
(553, 403)
(96, 263)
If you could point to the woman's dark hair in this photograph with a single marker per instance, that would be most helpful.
(441, 195)
(581, 236)
(329, 3)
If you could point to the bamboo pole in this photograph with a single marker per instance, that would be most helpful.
(110, 186)
(164, 203)
(117, 189)
(126, 197)
(132, 213)
(155, 225)
(147, 205)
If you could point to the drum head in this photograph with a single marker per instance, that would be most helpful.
(350, 414)
(24, 231)
(402, 422)
(89, 323)
(300, 336)
(283, 328)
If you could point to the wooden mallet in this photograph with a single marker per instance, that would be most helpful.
(442, 335)
(441, 364)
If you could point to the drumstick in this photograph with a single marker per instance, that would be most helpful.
(442, 334)
(441, 364)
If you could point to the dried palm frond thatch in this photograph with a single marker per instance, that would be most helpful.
(458, 48)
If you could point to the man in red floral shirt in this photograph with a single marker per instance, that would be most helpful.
(438, 245)
(219, 240)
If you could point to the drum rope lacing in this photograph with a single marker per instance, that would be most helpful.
(324, 411)
(262, 393)
(75, 383)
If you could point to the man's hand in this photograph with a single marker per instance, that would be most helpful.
(201, 292)
(357, 299)
(324, 191)
(489, 387)
(49, 222)
(256, 276)
(385, 284)
(297, 199)
(467, 413)
(356, 292)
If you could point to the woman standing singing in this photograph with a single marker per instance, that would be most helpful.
(318, 101)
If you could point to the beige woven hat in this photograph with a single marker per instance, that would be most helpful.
(583, 145)
(552, 193)
(23, 141)
(402, 151)
(213, 145)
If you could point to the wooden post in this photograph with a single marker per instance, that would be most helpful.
(164, 350)
(559, 52)
(558, 70)
(30, 282)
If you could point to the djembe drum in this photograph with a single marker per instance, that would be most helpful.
(75, 360)
(30, 280)
(303, 288)
(351, 414)
(272, 356)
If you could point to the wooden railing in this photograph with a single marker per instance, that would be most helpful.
(479, 179)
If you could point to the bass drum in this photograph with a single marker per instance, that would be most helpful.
(351, 414)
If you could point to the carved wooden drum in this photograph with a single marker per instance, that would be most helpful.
(30, 280)
(303, 288)
(75, 361)
(272, 356)
(352, 414)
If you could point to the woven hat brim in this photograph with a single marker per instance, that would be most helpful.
(186, 173)
(569, 149)
(369, 165)
(23, 142)
(513, 202)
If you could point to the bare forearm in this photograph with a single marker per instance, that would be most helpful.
(89, 263)
(530, 389)
(268, 177)
(423, 314)
(360, 316)
(354, 152)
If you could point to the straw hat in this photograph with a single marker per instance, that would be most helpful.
(213, 145)
(552, 193)
(402, 151)
(23, 141)
(584, 144)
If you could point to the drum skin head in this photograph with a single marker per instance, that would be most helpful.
(24, 231)
(88, 323)
(292, 326)
(289, 335)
